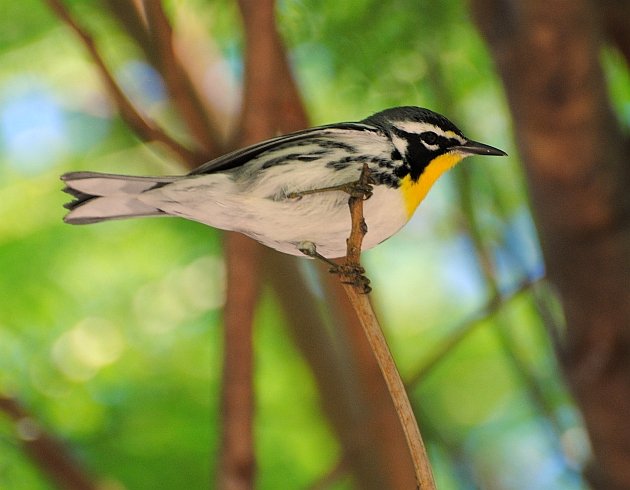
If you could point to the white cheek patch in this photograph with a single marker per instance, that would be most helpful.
(401, 144)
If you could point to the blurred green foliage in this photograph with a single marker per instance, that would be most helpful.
(111, 335)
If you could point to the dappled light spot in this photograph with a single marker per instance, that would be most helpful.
(32, 125)
(142, 83)
(39, 129)
(182, 295)
(576, 446)
(91, 345)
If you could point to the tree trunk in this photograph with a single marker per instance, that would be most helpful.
(576, 160)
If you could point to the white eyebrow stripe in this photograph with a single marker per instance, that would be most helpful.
(415, 127)
(452, 134)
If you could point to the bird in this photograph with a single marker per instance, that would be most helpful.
(290, 192)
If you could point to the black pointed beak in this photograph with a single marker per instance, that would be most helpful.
(476, 148)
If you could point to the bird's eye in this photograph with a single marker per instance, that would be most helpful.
(429, 137)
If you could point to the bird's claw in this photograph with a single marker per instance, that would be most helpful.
(362, 188)
(353, 275)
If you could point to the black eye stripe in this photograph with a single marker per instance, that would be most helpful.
(433, 139)
(444, 142)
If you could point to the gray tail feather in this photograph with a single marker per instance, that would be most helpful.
(100, 197)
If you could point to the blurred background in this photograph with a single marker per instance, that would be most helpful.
(111, 336)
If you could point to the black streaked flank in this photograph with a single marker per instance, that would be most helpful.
(337, 145)
(344, 162)
(300, 157)
(311, 157)
(384, 162)
(326, 147)
(386, 178)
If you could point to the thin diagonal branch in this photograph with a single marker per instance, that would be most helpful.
(494, 304)
(360, 300)
(459, 334)
(377, 419)
(141, 125)
(263, 53)
(482, 252)
(182, 90)
(48, 453)
(130, 15)
(395, 385)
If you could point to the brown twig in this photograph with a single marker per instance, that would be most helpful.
(50, 454)
(395, 385)
(494, 304)
(359, 228)
(182, 90)
(130, 15)
(141, 125)
(361, 303)
(390, 458)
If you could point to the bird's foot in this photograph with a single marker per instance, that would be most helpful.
(353, 275)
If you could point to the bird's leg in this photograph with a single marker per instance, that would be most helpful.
(358, 188)
(350, 273)
(310, 250)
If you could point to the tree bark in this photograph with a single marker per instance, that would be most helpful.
(576, 160)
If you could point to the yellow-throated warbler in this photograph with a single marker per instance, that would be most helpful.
(270, 191)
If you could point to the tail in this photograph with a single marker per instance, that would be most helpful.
(100, 197)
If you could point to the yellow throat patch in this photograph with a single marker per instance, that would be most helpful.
(415, 192)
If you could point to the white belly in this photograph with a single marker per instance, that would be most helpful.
(281, 223)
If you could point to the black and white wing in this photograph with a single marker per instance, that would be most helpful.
(334, 135)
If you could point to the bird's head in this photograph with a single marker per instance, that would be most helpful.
(424, 138)
(428, 145)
